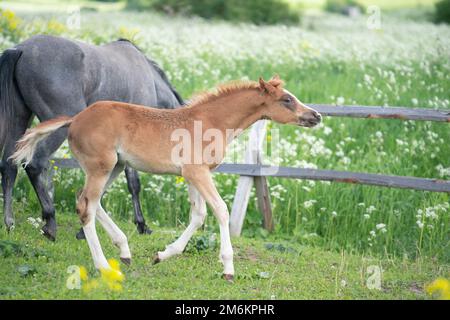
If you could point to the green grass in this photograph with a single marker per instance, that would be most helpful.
(291, 272)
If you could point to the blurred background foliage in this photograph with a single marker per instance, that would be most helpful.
(276, 11)
(260, 12)
(255, 11)
(442, 13)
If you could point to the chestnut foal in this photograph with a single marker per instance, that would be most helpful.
(109, 135)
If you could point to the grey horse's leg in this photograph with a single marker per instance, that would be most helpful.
(134, 186)
(9, 169)
(37, 171)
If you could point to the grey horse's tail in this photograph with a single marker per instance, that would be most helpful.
(8, 92)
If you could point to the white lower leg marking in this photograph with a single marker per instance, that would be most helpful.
(198, 213)
(226, 250)
(117, 236)
(93, 242)
(205, 185)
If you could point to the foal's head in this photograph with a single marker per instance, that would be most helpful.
(283, 107)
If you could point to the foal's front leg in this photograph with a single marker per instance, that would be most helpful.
(198, 214)
(200, 177)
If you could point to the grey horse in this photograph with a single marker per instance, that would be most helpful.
(47, 77)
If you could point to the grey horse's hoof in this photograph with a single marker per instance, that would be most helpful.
(80, 235)
(126, 261)
(143, 229)
(49, 229)
(9, 222)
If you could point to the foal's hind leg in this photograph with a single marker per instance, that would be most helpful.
(87, 206)
(198, 214)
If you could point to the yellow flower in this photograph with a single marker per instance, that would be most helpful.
(83, 273)
(440, 287)
(113, 277)
(55, 27)
(179, 180)
(305, 45)
(8, 14)
(91, 285)
(9, 20)
(130, 34)
(114, 264)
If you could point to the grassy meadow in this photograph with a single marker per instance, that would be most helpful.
(328, 232)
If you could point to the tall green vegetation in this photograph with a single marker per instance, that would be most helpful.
(442, 13)
(254, 11)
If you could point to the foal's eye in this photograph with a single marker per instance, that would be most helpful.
(287, 100)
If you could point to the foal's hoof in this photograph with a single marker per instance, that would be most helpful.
(49, 230)
(126, 261)
(80, 235)
(228, 277)
(143, 229)
(156, 259)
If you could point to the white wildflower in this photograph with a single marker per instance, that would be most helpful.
(309, 203)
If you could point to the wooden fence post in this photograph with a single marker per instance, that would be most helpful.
(245, 183)
(264, 203)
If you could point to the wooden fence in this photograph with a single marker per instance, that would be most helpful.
(254, 172)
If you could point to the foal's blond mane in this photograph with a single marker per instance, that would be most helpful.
(221, 91)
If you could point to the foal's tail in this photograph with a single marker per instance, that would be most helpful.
(26, 146)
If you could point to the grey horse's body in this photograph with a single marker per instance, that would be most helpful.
(51, 76)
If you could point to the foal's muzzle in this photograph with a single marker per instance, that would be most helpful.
(310, 119)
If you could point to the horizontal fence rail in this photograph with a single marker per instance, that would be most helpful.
(382, 112)
(257, 170)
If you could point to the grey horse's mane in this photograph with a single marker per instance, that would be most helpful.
(159, 71)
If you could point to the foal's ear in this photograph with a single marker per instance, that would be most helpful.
(262, 85)
(276, 81)
(266, 87)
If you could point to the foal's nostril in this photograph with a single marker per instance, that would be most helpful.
(317, 116)
(314, 116)
(310, 118)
